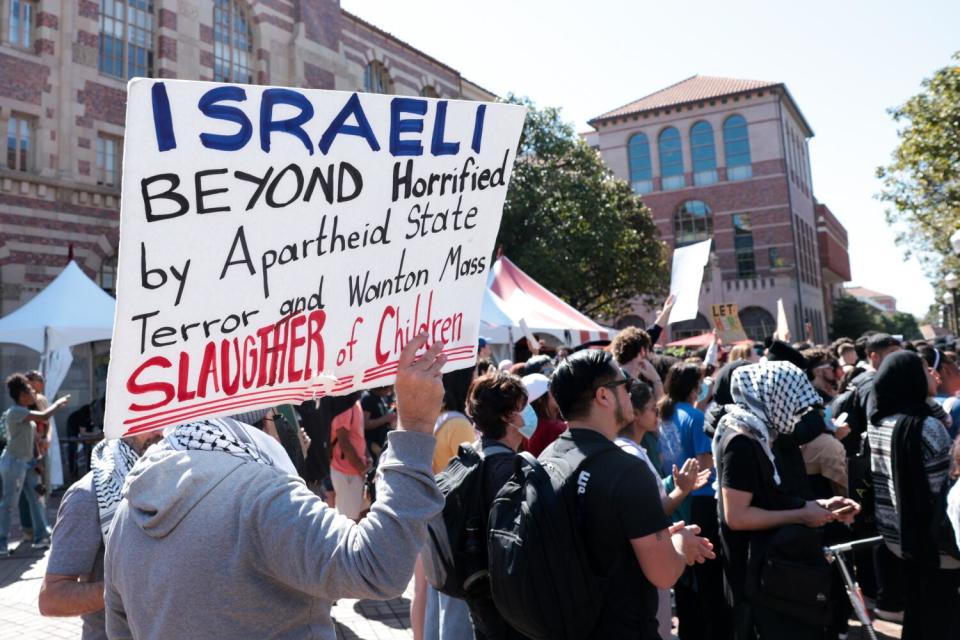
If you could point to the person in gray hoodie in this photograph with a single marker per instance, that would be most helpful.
(215, 540)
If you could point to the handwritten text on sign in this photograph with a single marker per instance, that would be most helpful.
(271, 235)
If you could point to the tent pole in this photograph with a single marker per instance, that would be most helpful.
(93, 383)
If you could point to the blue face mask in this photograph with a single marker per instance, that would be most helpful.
(529, 422)
(704, 391)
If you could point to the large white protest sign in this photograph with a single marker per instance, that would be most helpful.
(277, 244)
(686, 277)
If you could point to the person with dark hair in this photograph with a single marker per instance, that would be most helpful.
(498, 405)
(17, 461)
(627, 536)
(662, 364)
(542, 364)
(701, 609)
(485, 366)
(769, 400)
(910, 456)
(631, 349)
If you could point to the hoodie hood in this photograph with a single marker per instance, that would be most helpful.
(164, 486)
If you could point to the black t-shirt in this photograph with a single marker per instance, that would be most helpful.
(377, 407)
(744, 466)
(620, 502)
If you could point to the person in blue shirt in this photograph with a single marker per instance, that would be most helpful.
(701, 607)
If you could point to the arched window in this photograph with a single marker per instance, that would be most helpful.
(428, 91)
(736, 148)
(126, 38)
(690, 328)
(376, 79)
(743, 246)
(631, 320)
(692, 222)
(641, 171)
(232, 43)
(671, 159)
(758, 323)
(703, 154)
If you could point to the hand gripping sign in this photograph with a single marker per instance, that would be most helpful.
(278, 244)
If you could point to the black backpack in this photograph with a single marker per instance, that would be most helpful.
(455, 556)
(540, 574)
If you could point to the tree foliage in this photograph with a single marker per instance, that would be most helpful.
(852, 318)
(573, 226)
(922, 183)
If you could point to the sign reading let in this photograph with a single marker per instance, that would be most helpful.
(726, 320)
(278, 244)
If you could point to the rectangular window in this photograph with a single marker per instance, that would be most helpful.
(108, 161)
(20, 143)
(126, 38)
(743, 246)
(741, 172)
(673, 182)
(642, 186)
(20, 33)
(708, 176)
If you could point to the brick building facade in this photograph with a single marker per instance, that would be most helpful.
(728, 159)
(64, 66)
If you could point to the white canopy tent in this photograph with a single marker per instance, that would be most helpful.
(71, 310)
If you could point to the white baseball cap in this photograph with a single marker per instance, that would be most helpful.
(536, 385)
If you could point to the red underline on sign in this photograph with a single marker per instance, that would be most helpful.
(201, 410)
(389, 368)
(392, 371)
(253, 395)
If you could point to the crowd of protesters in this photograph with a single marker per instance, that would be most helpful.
(703, 487)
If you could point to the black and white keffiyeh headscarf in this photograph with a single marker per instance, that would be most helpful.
(229, 436)
(110, 461)
(770, 396)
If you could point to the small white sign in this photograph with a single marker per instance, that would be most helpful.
(686, 278)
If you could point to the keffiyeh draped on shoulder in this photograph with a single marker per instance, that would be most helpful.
(110, 462)
(766, 396)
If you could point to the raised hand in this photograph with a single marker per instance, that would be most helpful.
(419, 386)
(685, 479)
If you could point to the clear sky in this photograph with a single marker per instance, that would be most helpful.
(845, 62)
